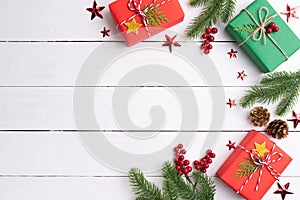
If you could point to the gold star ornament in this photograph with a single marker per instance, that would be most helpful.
(260, 149)
(133, 26)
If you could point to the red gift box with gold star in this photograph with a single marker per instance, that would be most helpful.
(140, 19)
(254, 166)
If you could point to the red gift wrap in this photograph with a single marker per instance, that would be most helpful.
(124, 11)
(270, 164)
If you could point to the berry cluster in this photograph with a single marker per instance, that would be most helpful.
(272, 28)
(207, 37)
(181, 164)
(204, 162)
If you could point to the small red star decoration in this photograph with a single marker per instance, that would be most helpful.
(290, 12)
(231, 102)
(283, 190)
(230, 145)
(96, 10)
(105, 32)
(296, 119)
(170, 42)
(241, 75)
(232, 53)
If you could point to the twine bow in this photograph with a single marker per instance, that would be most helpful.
(260, 162)
(261, 30)
(136, 8)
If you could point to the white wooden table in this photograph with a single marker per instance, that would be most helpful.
(43, 47)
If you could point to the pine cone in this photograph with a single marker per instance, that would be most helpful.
(278, 129)
(259, 116)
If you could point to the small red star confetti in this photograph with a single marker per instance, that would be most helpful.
(230, 145)
(290, 12)
(105, 32)
(96, 10)
(296, 119)
(231, 102)
(283, 190)
(170, 42)
(241, 75)
(232, 53)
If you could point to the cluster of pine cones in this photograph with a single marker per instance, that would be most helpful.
(260, 116)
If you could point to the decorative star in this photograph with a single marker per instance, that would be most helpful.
(283, 190)
(170, 42)
(232, 53)
(260, 149)
(133, 26)
(96, 10)
(105, 32)
(231, 102)
(290, 12)
(241, 75)
(296, 119)
(230, 145)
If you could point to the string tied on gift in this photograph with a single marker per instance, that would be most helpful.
(260, 163)
(136, 8)
(261, 30)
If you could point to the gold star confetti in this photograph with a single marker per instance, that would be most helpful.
(260, 149)
(133, 26)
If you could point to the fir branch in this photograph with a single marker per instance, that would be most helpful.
(248, 168)
(142, 187)
(197, 3)
(207, 185)
(279, 86)
(169, 190)
(246, 28)
(208, 16)
(228, 8)
(154, 15)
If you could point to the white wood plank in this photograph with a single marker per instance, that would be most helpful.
(98, 188)
(64, 154)
(68, 20)
(124, 108)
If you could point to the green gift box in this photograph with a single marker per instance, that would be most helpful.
(267, 51)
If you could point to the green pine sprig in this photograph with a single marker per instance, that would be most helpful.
(213, 11)
(174, 187)
(154, 15)
(279, 86)
(248, 168)
(246, 28)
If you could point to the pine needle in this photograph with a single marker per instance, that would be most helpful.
(228, 8)
(207, 185)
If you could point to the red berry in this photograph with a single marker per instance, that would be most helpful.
(209, 46)
(206, 51)
(181, 157)
(180, 172)
(178, 167)
(208, 30)
(204, 36)
(185, 171)
(269, 30)
(206, 166)
(203, 159)
(186, 162)
(181, 163)
(176, 160)
(207, 157)
(202, 163)
(209, 161)
(203, 46)
(196, 162)
(209, 151)
(197, 167)
(203, 170)
(189, 168)
(214, 30)
(176, 149)
(183, 151)
(276, 29)
(180, 146)
(212, 155)
(211, 38)
(177, 154)
(272, 24)
(206, 41)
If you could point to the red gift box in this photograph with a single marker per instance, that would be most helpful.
(126, 12)
(266, 160)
